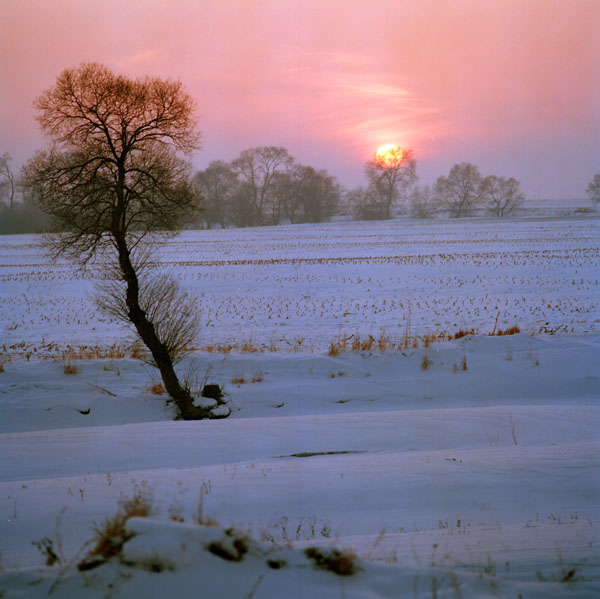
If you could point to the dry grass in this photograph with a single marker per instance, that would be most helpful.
(462, 333)
(90, 352)
(70, 369)
(355, 342)
(385, 342)
(429, 338)
(334, 349)
(426, 362)
(510, 331)
(382, 342)
(250, 347)
(112, 535)
(154, 388)
(334, 374)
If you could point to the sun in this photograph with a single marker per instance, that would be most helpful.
(389, 155)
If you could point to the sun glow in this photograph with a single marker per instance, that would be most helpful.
(389, 155)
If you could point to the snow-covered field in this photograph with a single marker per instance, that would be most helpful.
(468, 468)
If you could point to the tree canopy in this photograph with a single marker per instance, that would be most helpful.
(115, 167)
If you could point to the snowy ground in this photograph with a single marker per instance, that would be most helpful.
(469, 468)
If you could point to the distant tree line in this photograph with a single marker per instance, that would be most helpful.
(459, 194)
(19, 212)
(593, 190)
(265, 185)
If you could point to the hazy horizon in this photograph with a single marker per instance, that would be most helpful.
(512, 87)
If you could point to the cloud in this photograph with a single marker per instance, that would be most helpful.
(344, 97)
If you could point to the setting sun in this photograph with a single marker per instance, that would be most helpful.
(389, 155)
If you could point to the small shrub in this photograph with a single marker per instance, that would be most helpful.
(258, 376)
(464, 362)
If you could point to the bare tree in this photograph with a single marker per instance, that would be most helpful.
(593, 190)
(243, 212)
(305, 194)
(116, 170)
(423, 203)
(257, 167)
(218, 185)
(362, 203)
(288, 187)
(7, 180)
(390, 176)
(462, 190)
(503, 196)
(321, 196)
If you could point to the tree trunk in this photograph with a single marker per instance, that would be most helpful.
(145, 329)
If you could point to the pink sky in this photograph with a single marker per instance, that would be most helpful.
(512, 85)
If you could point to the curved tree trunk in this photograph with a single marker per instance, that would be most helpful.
(147, 332)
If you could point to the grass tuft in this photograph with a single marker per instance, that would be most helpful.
(258, 376)
(154, 389)
(426, 362)
(70, 369)
(510, 331)
(463, 333)
(111, 536)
